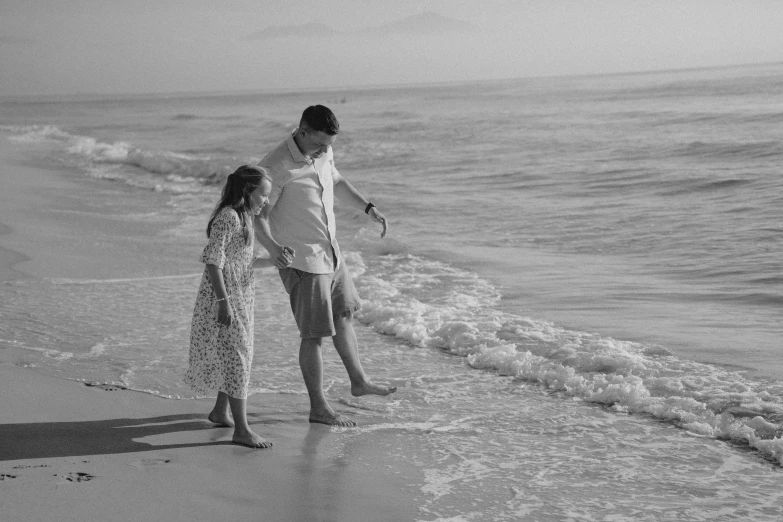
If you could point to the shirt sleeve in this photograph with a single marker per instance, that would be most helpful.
(277, 188)
(219, 235)
(336, 177)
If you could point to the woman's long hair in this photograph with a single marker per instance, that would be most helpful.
(236, 194)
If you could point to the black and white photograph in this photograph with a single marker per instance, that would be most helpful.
(390, 261)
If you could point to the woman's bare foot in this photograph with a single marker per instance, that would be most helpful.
(368, 388)
(250, 439)
(221, 418)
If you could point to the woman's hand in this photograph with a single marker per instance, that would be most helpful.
(225, 315)
(284, 257)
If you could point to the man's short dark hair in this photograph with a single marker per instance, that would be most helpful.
(320, 119)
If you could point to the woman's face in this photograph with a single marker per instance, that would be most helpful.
(260, 196)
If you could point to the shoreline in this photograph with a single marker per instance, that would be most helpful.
(14, 194)
(57, 222)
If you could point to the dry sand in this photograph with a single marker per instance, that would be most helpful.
(69, 451)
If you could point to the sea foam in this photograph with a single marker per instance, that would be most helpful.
(167, 169)
(431, 304)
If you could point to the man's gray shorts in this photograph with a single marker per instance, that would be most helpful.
(318, 299)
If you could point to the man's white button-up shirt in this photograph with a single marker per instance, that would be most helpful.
(302, 201)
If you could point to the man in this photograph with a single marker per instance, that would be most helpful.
(300, 214)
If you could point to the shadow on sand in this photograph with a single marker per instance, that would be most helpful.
(38, 440)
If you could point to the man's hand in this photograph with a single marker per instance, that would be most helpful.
(378, 217)
(284, 257)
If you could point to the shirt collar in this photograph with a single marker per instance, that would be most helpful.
(296, 154)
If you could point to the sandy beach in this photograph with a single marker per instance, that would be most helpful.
(75, 451)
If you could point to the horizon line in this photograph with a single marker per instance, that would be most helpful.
(361, 87)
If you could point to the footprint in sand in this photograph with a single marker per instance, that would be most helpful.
(78, 477)
(106, 387)
(150, 461)
(153, 461)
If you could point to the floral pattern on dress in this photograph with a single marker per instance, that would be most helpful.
(221, 356)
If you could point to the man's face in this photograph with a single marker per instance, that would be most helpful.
(314, 144)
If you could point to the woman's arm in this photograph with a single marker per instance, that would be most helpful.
(225, 315)
(282, 255)
(262, 262)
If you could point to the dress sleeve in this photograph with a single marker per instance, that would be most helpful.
(219, 235)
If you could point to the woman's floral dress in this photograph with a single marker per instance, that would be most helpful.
(221, 356)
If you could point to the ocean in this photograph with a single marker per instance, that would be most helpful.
(580, 295)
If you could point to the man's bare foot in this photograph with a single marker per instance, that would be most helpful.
(250, 439)
(333, 419)
(221, 418)
(369, 388)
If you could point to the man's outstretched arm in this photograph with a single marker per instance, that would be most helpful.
(347, 193)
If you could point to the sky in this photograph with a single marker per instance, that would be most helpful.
(158, 46)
